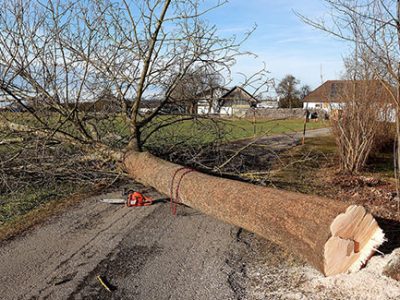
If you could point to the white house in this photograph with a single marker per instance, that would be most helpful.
(219, 100)
(333, 95)
(208, 100)
(326, 97)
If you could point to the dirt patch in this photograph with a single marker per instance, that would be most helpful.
(245, 159)
(378, 195)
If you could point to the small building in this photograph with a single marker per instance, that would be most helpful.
(236, 102)
(208, 100)
(225, 102)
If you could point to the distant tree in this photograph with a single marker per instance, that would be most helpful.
(288, 92)
(304, 91)
(188, 89)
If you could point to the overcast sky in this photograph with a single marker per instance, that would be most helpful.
(281, 40)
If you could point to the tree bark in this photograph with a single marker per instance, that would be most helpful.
(330, 235)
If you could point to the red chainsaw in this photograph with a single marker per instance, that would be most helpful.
(132, 199)
(137, 199)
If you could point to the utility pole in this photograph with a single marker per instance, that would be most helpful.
(320, 74)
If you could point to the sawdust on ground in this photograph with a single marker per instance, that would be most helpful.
(279, 275)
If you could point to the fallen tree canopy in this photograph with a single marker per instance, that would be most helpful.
(332, 236)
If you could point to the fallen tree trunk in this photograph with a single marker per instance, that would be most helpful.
(331, 236)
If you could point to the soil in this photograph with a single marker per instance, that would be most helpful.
(378, 195)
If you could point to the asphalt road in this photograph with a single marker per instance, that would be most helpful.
(284, 141)
(143, 253)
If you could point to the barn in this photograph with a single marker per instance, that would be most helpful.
(236, 102)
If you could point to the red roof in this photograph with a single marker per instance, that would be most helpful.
(340, 90)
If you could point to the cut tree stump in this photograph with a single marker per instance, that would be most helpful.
(330, 235)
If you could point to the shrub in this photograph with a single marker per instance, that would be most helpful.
(359, 126)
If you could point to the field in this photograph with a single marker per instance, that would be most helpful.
(30, 185)
(200, 132)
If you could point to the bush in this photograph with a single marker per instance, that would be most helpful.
(358, 127)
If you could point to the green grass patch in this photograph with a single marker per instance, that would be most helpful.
(14, 205)
(203, 131)
(244, 128)
(195, 131)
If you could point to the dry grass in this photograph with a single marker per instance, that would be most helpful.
(297, 168)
